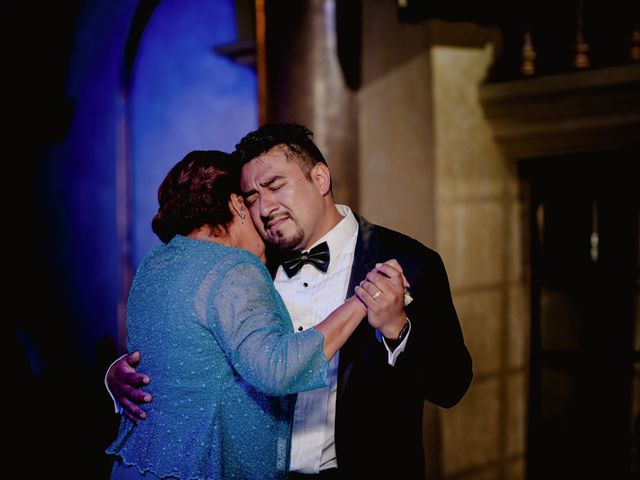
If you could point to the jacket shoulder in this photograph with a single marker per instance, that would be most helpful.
(392, 242)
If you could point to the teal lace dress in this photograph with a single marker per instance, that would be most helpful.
(219, 347)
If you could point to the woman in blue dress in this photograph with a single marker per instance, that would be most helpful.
(216, 339)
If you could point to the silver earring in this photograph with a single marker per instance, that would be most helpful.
(242, 217)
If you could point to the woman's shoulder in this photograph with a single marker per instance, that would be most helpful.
(239, 270)
(221, 256)
(239, 258)
(212, 249)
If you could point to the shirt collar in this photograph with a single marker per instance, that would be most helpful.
(339, 236)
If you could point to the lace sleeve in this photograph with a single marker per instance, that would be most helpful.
(253, 327)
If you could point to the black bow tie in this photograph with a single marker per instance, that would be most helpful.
(318, 256)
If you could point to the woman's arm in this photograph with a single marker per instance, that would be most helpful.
(251, 323)
(340, 324)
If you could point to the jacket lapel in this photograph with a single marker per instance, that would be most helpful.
(366, 254)
(364, 259)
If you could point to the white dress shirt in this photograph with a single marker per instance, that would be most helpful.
(310, 296)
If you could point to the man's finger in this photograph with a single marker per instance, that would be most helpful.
(135, 379)
(133, 411)
(135, 395)
(384, 283)
(133, 358)
(375, 289)
(391, 271)
(130, 417)
(366, 298)
(393, 263)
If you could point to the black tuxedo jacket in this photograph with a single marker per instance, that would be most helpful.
(379, 407)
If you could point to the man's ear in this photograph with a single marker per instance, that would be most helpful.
(321, 177)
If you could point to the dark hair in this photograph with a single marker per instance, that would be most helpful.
(296, 138)
(196, 192)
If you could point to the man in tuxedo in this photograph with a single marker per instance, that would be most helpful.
(368, 422)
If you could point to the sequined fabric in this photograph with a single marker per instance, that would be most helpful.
(219, 347)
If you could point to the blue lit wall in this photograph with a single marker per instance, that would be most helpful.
(184, 97)
(82, 177)
(73, 117)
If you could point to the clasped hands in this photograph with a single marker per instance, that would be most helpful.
(383, 293)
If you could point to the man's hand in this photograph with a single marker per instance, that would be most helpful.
(383, 294)
(124, 383)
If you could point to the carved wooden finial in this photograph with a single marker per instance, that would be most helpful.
(582, 59)
(634, 54)
(528, 56)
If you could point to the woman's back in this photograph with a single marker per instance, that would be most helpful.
(202, 315)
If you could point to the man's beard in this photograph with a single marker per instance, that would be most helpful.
(279, 240)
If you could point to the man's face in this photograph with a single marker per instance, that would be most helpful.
(285, 206)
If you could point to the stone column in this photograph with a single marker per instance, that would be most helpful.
(306, 83)
(396, 127)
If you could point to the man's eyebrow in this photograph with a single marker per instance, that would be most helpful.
(271, 180)
(268, 182)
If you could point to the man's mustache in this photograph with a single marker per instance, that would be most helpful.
(270, 218)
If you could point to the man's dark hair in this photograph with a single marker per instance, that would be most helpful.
(295, 139)
(196, 192)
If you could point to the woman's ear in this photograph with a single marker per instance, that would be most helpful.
(236, 203)
(321, 176)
